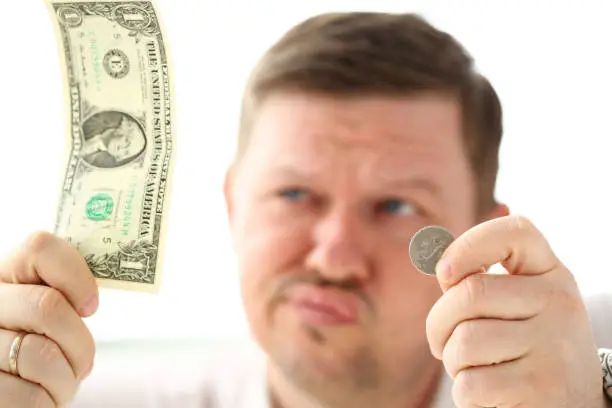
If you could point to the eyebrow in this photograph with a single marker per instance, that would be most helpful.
(289, 171)
(412, 183)
(423, 183)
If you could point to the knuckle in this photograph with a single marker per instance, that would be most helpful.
(451, 358)
(50, 304)
(63, 399)
(48, 351)
(475, 289)
(39, 398)
(39, 241)
(465, 334)
(465, 387)
(433, 331)
(48, 358)
(459, 348)
(431, 321)
(436, 346)
(465, 244)
(430, 333)
(567, 300)
(464, 340)
(474, 387)
(89, 347)
(520, 224)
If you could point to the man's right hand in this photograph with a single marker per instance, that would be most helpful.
(46, 288)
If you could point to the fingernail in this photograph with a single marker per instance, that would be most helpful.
(89, 307)
(443, 269)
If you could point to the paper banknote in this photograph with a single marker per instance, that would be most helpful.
(120, 151)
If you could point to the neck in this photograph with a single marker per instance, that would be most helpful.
(419, 394)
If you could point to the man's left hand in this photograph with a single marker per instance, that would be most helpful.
(516, 340)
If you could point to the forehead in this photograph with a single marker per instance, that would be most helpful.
(382, 134)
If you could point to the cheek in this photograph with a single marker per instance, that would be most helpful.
(406, 295)
(404, 313)
(266, 242)
(267, 246)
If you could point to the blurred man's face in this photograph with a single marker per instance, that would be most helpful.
(322, 208)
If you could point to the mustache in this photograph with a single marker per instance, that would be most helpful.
(351, 286)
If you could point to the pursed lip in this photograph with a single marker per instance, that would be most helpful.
(324, 305)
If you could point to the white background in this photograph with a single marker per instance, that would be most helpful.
(549, 60)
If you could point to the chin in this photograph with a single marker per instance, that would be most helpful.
(306, 358)
(319, 344)
(315, 359)
(288, 337)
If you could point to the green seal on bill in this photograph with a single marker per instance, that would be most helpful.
(99, 207)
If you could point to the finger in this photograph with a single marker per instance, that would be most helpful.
(512, 241)
(502, 385)
(44, 310)
(40, 361)
(17, 393)
(46, 258)
(483, 296)
(486, 342)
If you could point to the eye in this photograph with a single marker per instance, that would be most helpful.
(397, 207)
(293, 194)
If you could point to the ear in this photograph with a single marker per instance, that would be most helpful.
(499, 210)
(227, 191)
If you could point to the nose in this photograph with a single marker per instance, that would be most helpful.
(340, 248)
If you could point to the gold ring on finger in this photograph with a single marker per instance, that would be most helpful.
(14, 353)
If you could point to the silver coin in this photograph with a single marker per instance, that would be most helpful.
(427, 247)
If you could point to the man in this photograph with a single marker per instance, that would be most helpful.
(357, 130)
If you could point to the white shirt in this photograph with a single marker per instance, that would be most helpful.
(229, 376)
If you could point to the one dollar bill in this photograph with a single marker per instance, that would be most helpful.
(120, 151)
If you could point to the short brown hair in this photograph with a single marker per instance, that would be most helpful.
(361, 53)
